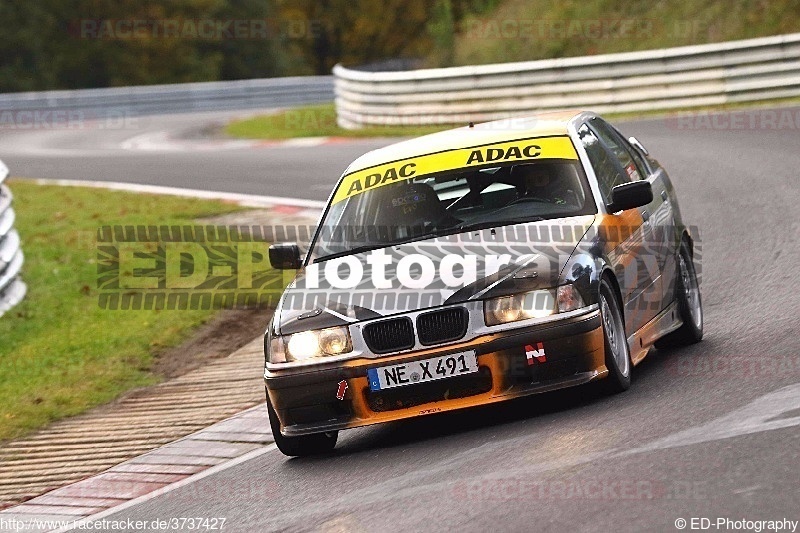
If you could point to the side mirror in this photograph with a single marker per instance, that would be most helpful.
(639, 146)
(630, 195)
(285, 256)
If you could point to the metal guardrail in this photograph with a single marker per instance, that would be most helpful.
(12, 288)
(179, 98)
(689, 76)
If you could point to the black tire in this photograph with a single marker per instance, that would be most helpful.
(617, 353)
(691, 310)
(304, 445)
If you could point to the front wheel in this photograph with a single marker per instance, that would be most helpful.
(617, 353)
(303, 445)
(690, 304)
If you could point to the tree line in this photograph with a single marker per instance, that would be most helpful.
(69, 44)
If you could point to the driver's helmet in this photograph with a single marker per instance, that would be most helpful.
(535, 180)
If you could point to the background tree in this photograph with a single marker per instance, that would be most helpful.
(42, 45)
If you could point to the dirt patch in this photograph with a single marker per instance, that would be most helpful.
(230, 329)
(219, 337)
(212, 130)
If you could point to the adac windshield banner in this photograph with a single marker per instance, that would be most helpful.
(474, 156)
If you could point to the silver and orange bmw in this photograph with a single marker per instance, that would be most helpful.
(477, 265)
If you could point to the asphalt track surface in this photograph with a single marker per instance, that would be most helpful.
(709, 431)
(97, 151)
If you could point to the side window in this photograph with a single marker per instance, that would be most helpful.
(605, 168)
(642, 166)
(640, 163)
(617, 146)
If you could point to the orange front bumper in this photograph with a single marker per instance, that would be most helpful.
(306, 399)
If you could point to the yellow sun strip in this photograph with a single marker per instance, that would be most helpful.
(520, 150)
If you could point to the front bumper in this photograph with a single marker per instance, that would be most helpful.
(305, 399)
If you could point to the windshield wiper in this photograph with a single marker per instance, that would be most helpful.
(356, 250)
(495, 223)
(453, 230)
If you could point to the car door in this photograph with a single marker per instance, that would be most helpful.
(662, 217)
(629, 233)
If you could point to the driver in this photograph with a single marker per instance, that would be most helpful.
(539, 182)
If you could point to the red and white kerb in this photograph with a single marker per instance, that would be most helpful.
(535, 353)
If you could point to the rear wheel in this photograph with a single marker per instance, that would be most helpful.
(617, 354)
(690, 305)
(303, 445)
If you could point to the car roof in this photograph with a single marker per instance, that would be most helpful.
(545, 124)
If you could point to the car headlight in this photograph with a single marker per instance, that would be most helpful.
(569, 299)
(335, 341)
(317, 343)
(277, 348)
(535, 304)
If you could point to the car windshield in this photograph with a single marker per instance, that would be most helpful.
(451, 202)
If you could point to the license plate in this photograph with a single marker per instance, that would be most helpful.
(446, 366)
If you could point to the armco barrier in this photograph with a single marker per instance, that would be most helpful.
(711, 74)
(12, 288)
(179, 98)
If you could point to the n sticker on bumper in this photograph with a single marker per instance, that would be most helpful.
(535, 353)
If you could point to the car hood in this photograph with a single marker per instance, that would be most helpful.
(535, 252)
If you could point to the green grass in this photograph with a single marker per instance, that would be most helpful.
(60, 353)
(262, 127)
(710, 109)
(315, 121)
(520, 30)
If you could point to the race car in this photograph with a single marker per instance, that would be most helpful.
(474, 266)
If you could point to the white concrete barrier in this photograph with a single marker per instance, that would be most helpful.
(738, 71)
(12, 288)
(178, 98)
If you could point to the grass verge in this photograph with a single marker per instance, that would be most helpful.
(733, 107)
(315, 121)
(269, 126)
(60, 354)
